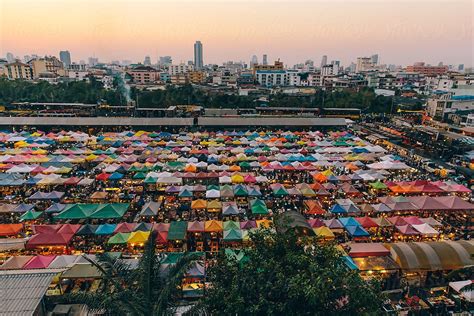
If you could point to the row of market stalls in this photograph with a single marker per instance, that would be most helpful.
(68, 194)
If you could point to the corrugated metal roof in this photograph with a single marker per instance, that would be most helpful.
(21, 291)
(270, 121)
(97, 121)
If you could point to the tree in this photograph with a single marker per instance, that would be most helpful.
(287, 275)
(150, 289)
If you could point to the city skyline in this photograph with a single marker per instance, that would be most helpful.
(396, 31)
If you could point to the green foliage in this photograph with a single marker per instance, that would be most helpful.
(151, 289)
(286, 275)
(93, 91)
(76, 91)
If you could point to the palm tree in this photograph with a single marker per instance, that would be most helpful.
(150, 289)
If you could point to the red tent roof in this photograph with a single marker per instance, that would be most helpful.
(49, 239)
(39, 262)
(367, 222)
(69, 229)
(368, 250)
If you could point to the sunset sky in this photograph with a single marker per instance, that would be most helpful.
(400, 31)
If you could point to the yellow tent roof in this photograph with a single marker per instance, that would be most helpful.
(138, 237)
(323, 231)
(214, 204)
(237, 178)
(263, 223)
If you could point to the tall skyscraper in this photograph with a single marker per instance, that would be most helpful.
(10, 57)
(198, 59)
(65, 57)
(375, 59)
(165, 61)
(264, 59)
(253, 61)
(93, 61)
(324, 61)
(147, 61)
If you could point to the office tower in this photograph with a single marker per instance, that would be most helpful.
(93, 61)
(336, 62)
(253, 61)
(165, 61)
(65, 57)
(10, 57)
(264, 59)
(375, 59)
(198, 58)
(147, 61)
(324, 60)
(461, 67)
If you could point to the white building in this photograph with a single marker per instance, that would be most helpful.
(330, 70)
(272, 78)
(180, 69)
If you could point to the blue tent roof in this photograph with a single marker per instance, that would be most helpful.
(105, 229)
(116, 176)
(338, 209)
(349, 221)
(357, 231)
(55, 208)
(350, 263)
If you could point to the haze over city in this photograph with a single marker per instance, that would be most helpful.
(402, 32)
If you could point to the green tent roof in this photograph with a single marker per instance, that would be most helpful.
(177, 230)
(118, 239)
(231, 225)
(113, 210)
(77, 211)
(259, 209)
(378, 185)
(139, 175)
(240, 191)
(30, 215)
(233, 235)
(280, 191)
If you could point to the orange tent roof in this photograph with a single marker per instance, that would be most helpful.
(10, 229)
(199, 204)
(213, 226)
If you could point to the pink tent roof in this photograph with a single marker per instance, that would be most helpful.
(315, 222)
(69, 228)
(397, 220)
(455, 203)
(426, 203)
(125, 227)
(407, 230)
(413, 220)
(39, 262)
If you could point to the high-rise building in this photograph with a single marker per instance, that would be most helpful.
(93, 61)
(10, 57)
(165, 61)
(264, 59)
(253, 61)
(375, 59)
(364, 64)
(461, 67)
(324, 61)
(147, 61)
(65, 57)
(198, 58)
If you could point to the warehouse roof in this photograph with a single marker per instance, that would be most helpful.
(22, 291)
